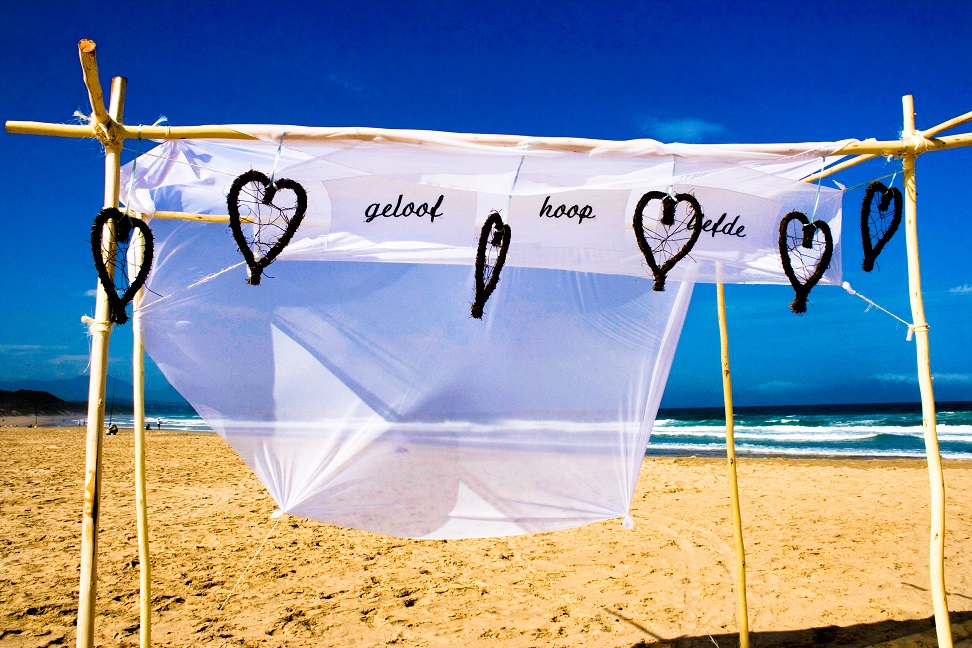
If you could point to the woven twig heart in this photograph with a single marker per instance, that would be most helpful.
(653, 243)
(262, 193)
(871, 230)
(494, 241)
(104, 257)
(804, 240)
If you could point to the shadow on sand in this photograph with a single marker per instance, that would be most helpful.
(855, 636)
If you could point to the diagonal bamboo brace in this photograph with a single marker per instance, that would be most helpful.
(103, 125)
(89, 70)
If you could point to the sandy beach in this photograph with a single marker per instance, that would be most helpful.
(836, 550)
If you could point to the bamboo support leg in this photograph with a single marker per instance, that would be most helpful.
(936, 559)
(138, 425)
(92, 472)
(100, 334)
(742, 609)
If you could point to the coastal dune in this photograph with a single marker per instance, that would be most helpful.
(836, 552)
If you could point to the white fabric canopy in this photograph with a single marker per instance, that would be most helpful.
(353, 380)
(743, 194)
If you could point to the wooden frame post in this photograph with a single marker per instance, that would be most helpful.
(936, 557)
(100, 335)
(742, 608)
(138, 429)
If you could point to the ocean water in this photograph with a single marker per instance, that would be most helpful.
(871, 430)
(862, 431)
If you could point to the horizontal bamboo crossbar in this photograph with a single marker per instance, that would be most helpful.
(82, 131)
(55, 130)
(900, 148)
(955, 141)
(201, 218)
(869, 147)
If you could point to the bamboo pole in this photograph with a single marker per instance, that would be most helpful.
(868, 147)
(936, 557)
(202, 218)
(928, 133)
(138, 428)
(846, 164)
(945, 125)
(148, 132)
(100, 334)
(89, 69)
(742, 609)
(902, 147)
(55, 130)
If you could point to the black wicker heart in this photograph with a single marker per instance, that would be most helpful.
(887, 219)
(810, 265)
(494, 241)
(654, 243)
(258, 192)
(114, 255)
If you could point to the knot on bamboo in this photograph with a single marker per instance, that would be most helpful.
(95, 326)
(107, 134)
(917, 143)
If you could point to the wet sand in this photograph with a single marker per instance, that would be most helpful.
(836, 551)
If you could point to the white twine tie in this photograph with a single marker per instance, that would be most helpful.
(911, 327)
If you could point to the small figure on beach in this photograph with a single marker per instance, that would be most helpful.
(158, 424)
(112, 429)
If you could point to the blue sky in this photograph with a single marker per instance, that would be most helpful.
(705, 72)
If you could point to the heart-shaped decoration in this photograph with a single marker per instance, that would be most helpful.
(804, 260)
(115, 254)
(494, 241)
(254, 193)
(654, 243)
(887, 219)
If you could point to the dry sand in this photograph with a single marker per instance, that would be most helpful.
(837, 554)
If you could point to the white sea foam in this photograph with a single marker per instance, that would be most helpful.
(745, 449)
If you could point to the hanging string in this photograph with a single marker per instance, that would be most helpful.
(131, 177)
(276, 514)
(864, 184)
(895, 175)
(911, 327)
(192, 285)
(189, 164)
(138, 150)
(816, 199)
(276, 159)
(516, 177)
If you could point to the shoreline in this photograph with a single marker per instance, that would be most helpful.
(60, 422)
